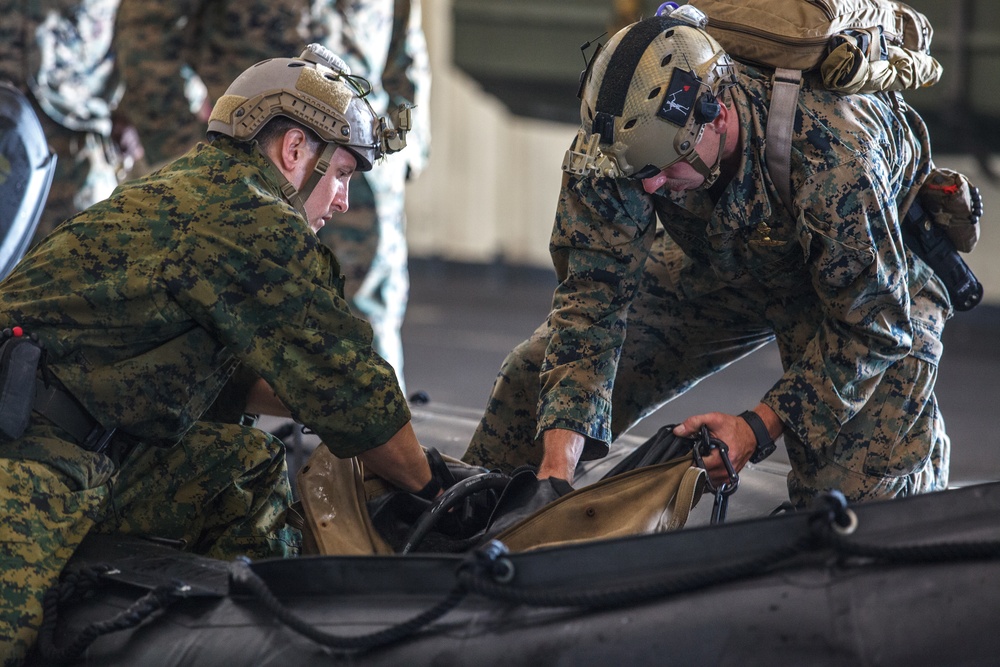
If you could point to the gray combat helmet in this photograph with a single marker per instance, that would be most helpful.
(646, 97)
(317, 90)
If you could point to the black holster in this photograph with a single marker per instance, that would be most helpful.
(25, 387)
(930, 243)
(20, 357)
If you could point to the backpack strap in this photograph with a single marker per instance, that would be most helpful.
(785, 86)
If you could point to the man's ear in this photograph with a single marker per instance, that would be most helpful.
(293, 150)
(723, 120)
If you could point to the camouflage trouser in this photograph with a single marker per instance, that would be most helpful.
(895, 446)
(85, 173)
(222, 491)
(369, 242)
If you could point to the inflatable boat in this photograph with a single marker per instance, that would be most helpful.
(903, 582)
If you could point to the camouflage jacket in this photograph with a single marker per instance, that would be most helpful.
(148, 301)
(61, 52)
(837, 269)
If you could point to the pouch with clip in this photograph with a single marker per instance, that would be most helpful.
(19, 359)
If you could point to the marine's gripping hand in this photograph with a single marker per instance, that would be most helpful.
(400, 461)
(737, 432)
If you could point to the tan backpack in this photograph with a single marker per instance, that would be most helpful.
(857, 46)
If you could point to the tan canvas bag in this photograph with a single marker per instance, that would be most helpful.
(335, 521)
(796, 34)
(333, 507)
(333, 493)
(646, 500)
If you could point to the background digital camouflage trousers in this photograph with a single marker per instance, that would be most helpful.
(895, 446)
(383, 41)
(222, 491)
(369, 241)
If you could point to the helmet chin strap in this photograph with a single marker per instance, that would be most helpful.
(711, 174)
(298, 197)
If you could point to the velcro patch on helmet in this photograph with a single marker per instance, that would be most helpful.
(225, 108)
(604, 126)
(680, 97)
(327, 88)
(624, 61)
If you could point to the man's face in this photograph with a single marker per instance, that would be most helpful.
(330, 194)
(678, 177)
(681, 176)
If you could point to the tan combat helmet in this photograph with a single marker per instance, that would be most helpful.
(646, 96)
(317, 90)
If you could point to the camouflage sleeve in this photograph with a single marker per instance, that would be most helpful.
(231, 403)
(152, 45)
(407, 78)
(859, 273)
(602, 236)
(263, 284)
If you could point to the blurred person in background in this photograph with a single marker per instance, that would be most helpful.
(60, 55)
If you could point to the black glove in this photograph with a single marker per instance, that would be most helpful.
(523, 496)
(442, 478)
(395, 514)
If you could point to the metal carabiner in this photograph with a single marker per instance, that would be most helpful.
(723, 492)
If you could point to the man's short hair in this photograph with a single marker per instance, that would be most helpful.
(275, 129)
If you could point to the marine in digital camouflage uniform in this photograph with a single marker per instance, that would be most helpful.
(161, 310)
(162, 44)
(60, 55)
(663, 282)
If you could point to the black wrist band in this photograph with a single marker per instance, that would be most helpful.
(765, 443)
(430, 490)
(441, 477)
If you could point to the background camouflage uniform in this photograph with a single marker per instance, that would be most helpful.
(381, 40)
(163, 46)
(147, 304)
(642, 314)
(59, 53)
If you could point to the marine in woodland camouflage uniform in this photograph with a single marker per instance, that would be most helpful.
(158, 309)
(160, 45)
(60, 55)
(644, 311)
